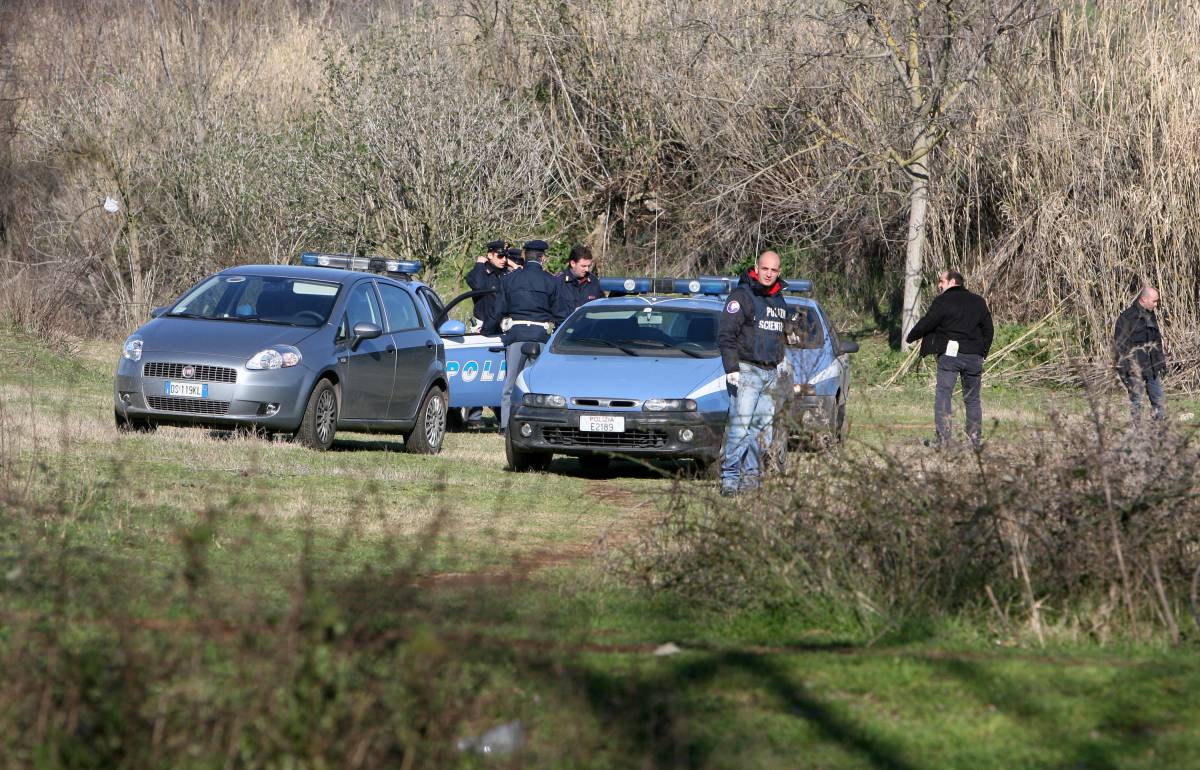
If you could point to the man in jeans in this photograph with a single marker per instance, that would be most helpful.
(957, 328)
(751, 336)
(1140, 358)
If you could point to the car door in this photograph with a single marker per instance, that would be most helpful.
(475, 365)
(371, 366)
(416, 349)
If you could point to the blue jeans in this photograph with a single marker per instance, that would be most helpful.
(748, 436)
(1152, 384)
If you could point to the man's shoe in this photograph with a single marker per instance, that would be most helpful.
(728, 491)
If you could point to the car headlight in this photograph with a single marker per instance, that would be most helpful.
(544, 400)
(133, 348)
(279, 357)
(669, 405)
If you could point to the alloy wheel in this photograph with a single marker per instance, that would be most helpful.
(326, 416)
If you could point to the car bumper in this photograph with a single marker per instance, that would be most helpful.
(236, 396)
(662, 435)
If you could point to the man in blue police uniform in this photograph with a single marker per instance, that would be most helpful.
(486, 275)
(752, 340)
(528, 305)
(582, 285)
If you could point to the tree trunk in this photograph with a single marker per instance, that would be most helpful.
(918, 205)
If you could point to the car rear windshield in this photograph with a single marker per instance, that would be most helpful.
(259, 299)
(640, 331)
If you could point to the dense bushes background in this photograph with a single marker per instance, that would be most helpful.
(684, 132)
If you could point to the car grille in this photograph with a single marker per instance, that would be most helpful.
(204, 372)
(190, 405)
(630, 439)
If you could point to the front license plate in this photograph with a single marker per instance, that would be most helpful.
(186, 389)
(602, 424)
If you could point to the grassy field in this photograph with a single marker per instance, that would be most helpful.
(433, 598)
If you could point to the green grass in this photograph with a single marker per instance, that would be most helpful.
(119, 546)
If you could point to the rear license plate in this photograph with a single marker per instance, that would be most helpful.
(602, 423)
(186, 389)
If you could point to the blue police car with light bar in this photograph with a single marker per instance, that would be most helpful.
(339, 342)
(639, 374)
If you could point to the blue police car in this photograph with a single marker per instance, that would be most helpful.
(640, 375)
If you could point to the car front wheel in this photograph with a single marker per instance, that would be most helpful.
(126, 425)
(522, 461)
(320, 418)
(430, 430)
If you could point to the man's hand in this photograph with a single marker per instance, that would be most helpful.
(481, 258)
(732, 378)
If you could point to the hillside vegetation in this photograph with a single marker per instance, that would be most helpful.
(682, 135)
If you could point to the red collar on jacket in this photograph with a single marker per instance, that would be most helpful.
(774, 288)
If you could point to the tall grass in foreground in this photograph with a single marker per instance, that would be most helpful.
(1089, 529)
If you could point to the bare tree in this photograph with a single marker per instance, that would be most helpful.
(898, 72)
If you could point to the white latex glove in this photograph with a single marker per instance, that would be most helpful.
(732, 378)
(784, 369)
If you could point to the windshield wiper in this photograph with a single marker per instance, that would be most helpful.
(597, 341)
(665, 344)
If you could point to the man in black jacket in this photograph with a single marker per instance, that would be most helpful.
(957, 328)
(486, 275)
(529, 304)
(751, 336)
(582, 285)
(1140, 358)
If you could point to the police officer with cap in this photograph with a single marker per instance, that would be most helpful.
(528, 305)
(485, 275)
(514, 259)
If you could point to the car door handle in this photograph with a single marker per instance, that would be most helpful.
(391, 348)
(430, 344)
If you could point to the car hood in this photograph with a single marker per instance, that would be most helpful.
(228, 338)
(639, 377)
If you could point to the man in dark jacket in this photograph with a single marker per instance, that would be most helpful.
(528, 305)
(1141, 361)
(582, 285)
(486, 275)
(751, 337)
(957, 328)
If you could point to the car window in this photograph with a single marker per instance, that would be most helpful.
(639, 330)
(361, 307)
(259, 299)
(399, 307)
(806, 330)
(437, 308)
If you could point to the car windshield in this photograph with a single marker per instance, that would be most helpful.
(639, 331)
(259, 299)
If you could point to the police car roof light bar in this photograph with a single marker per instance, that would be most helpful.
(404, 267)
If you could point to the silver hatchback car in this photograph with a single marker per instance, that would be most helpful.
(303, 350)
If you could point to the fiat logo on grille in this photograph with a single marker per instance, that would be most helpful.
(189, 372)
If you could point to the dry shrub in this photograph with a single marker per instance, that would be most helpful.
(1087, 525)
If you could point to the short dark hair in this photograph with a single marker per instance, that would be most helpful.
(954, 275)
(579, 252)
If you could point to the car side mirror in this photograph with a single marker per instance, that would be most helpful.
(364, 331)
(847, 346)
(531, 349)
(452, 329)
(155, 312)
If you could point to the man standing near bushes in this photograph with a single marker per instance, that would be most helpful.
(751, 336)
(1140, 358)
(957, 328)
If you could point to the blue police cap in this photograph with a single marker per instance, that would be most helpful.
(498, 246)
(515, 255)
(537, 246)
